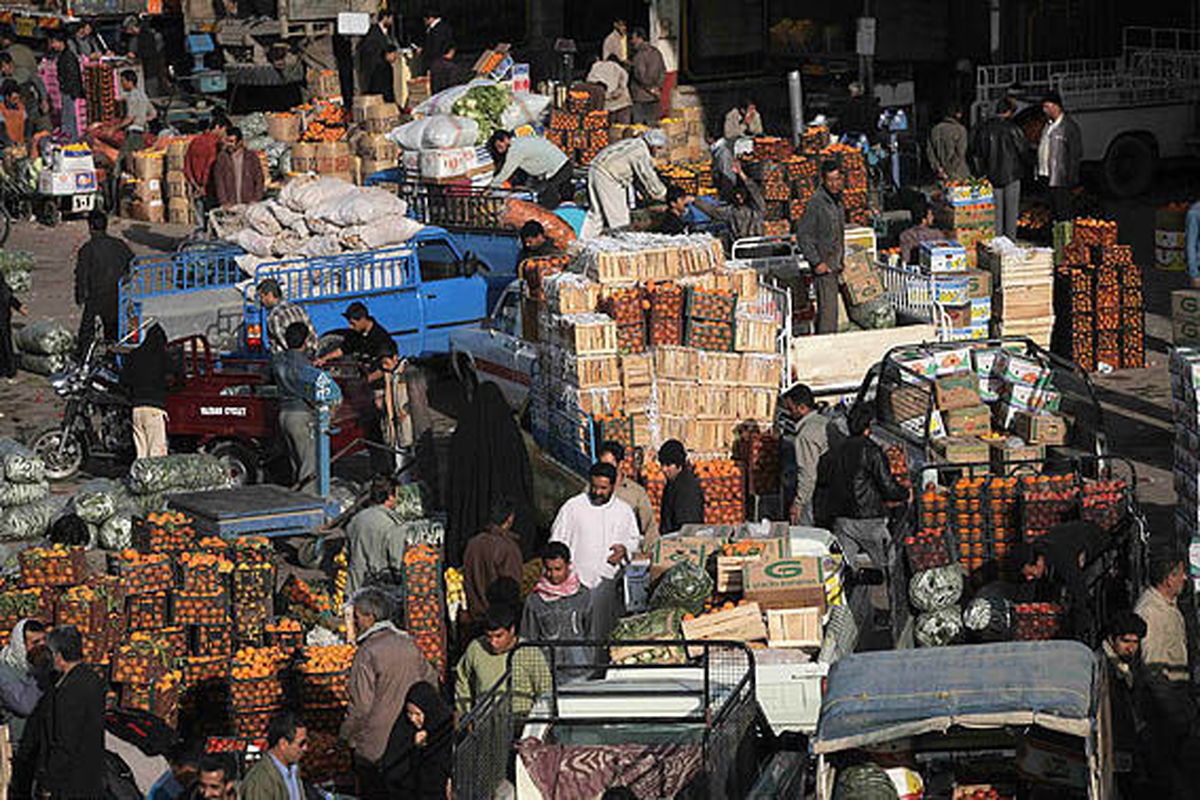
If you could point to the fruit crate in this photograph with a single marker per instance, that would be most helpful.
(714, 306)
(253, 581)
(424, 604)
(52, 566)
(1037, 621)
(251, 694)
(1046, 501)
(175, 638)
(36, 602)
(322, 689)
(147, 611)
(212, 640)
(204, 669)
(1104, 503)
(160, 698)
(251, 549)
(143, 573)
(142, 660)
(666, 313)
(166, 532)
(927, 548)
(252, 723)
(83, 608)
(250, 619)
(631, 338)
(705, 335)
(201, 572)
(285, 634)
(199, 608)
(617, 428)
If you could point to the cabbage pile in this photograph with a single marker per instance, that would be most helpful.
(485, 105)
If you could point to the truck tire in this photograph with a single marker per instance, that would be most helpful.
(240, 462)
(1129, 165)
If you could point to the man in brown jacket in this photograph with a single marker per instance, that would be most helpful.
(237, 174)
(385, 667)
(646, 75)
(493, 553)
(632, 493)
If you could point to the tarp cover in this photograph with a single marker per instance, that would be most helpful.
(882, 696)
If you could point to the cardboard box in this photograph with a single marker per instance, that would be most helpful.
(794, 627)
(179, 211)
(942, 255)
(950, 289)
(1185, 316)
(1009, 449)
(666, 553)
(738, 624)
(909, 402)
(785, 583)
(969, 421)
(1024, 397)
(1040, 427)
(961, 450)
(1185, 331)
(448, 162)
(979, 284)
(362, 102)
(334, 158)
(1016, 368)
(959, 317)
(981, 311)
(729, 568)
(177, 187)
(148, 164)
(960, 390)
(859, 277)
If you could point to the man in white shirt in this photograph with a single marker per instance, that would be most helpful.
(1164, 647)
(1058, 155)
(601, 532)
(614, 43)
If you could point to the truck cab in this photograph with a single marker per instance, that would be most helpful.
(498, 350)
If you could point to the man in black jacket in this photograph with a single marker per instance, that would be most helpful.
(854, 482)
(72, 765)
(998, 149)
(820, 234)
(683, 497)
(70, 82)
(99, 268)
(1120, 651)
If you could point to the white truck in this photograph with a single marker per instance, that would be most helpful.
(1134, 108)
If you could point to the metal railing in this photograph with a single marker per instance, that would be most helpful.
(712, 696)
(346, 273)
(190, 270)
(914, 295)
(458, 207)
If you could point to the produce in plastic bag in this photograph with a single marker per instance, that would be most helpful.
(989, 619)
(45, 337)
(424, 531)
(485, 104)
(685, 585)
(30, 520)
(443, 101)
(436, 132)
(115, 533)
(935, 588)
(865, 781)
(381, 233)
(262, 219)
(179, 471)
(254, 242)
(359, 207)
(526, 108)
(938, 628)
(875, 314)
(19, 463)
(304, 193)
(18, 494)
(662, 623)
(17, 268)
(517, 212)
(98, 500)
(287, 218)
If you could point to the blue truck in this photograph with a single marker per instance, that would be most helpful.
(419, 292)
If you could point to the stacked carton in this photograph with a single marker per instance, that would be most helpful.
(968, 214)
(1185, 408)
(175, 187)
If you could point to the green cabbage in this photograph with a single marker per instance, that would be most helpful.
(484, 104)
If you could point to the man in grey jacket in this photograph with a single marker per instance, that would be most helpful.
(613, 172)
(296, 419)
(821, 236)
(646, 75)
(809, 440)
(1058, 155)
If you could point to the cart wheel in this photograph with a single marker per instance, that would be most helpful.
(51, 214)
(240, 463)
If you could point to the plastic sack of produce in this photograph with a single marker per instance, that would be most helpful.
(931, 589)
(304, 193)
(517, 212)
(380, 233)
(287, 218)
(98, 500)
(288, 242)
(253, 242)
(526, 108)
(45, 337)
(874, 314)
(408, 502)
(939, 628)
(443, 101)
(19, 464)
(43, 365)
(359, 207)
(326, 245)
(261, 219)
(18, 494)
(685, 585)
(660, 624)
(864, 782)
(30, 520)
(424, 531)
(485, 103)
(436, 132)
(989, 619)
(17, 268)
(182, 471)
(115, 533)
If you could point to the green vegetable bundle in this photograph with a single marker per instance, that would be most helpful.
(484, 104)
(17, 266)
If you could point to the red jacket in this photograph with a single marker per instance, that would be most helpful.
(224, 180)
(198, 162)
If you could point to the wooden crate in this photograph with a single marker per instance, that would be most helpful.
(683, 398)
(595, 402)
(742, 623)
(754, 335)
(681, 363)
(570, 293)
(794, 627)
(638, 398)
(637, 369)
(590, 372)
(755, 403)
(587, 334)
(717, 402)
(759, 369)
(718, 367)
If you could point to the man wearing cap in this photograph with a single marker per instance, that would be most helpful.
(1058, 155)
(601, 532)
(616, 170)
(536, 156)
(146, 45)
(683, 498)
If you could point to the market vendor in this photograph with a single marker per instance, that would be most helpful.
(493, 553)
(683, 496)
(743, 120)
(386, 665)
(35, 100)
(746, 209)
(16, 122)
(237, 174)
(392, 403)
(382, 80)
(616, 170)
(804, 440)
(1052, 570)
(609, 73)
(70, 82)
(921, 231)
(485, 662)
(145, 44)
(535, 242)
(1165, 645)
(138, 115)
(854, 482)
(560, 607)
(198, 162)
(601, 532)
(280, 315)
(296, 418)
(633, 493)
(671, 220)
(375, 540)
(821, 237)
(540, 160)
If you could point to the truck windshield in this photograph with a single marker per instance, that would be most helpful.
(438, 262)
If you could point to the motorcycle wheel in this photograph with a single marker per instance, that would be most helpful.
(239, 461)
(59, 465)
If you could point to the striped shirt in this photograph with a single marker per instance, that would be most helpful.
(278, 320)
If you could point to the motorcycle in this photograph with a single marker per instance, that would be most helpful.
(97, 419)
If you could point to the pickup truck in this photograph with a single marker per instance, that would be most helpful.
(419, 292)
(498, 350)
